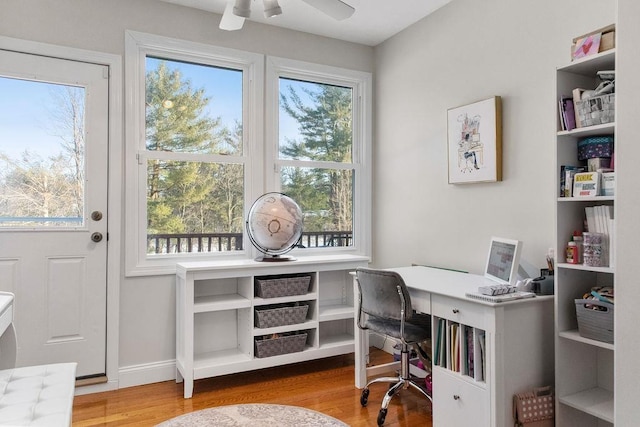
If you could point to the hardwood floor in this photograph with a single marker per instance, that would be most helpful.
(324, 385)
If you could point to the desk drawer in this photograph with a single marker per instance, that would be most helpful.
(461, 311)
(457, 402)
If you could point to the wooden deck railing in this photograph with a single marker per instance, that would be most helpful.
(224, 242)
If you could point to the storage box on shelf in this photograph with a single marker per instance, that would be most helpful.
(268, 346)
(584, 366)
(595, 320)
(280, 315)
(244, 315)
(596, 110)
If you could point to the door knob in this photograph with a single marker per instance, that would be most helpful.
(96, 215)
(96, 237)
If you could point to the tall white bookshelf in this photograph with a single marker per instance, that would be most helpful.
(584, 376)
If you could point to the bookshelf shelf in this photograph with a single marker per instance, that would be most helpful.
(594, 401)
(584, 367)
(575, 336)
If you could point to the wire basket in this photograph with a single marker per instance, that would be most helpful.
(274, 287)
(269, 346)
(270, 316)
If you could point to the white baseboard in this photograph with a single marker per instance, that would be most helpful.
(134, 375)
(130, 376)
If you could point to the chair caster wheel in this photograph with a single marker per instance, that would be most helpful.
(381, 416)
(364, 397)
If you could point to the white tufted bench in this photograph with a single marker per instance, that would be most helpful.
(37, 395)
(33, 395)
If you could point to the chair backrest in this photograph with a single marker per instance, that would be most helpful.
(382, 293)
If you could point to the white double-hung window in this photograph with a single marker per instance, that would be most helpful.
(209, 130)
(194, 117)
(318, 148)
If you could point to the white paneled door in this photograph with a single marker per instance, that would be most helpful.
(53, 207)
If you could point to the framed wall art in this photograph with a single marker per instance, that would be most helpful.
(474, 142)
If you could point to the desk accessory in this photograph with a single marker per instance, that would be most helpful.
(534, 408)
(511, 296)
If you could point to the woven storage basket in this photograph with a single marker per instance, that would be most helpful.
(275, 287)
(268, 347)
(270, 316)
(596, 110)
(595, 324)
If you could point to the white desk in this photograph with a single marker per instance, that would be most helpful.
(518, 352)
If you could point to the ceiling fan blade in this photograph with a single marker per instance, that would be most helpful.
(336, 9)
(229, 21)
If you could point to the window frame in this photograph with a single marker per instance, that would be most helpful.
(361, 85)
(137, 47)
(260, 142)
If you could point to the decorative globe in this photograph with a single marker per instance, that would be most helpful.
(274, 225)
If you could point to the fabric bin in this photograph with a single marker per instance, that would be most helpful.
(268, 346)
(274, 287)
(595, 324)
(595, 146)
(270, 316)
(596, 110)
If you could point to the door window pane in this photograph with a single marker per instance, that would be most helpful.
(42, 149)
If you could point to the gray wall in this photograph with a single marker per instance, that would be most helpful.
(468, 51)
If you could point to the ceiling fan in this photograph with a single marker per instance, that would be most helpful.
(237, 10)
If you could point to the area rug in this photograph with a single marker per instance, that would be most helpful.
(254, 415)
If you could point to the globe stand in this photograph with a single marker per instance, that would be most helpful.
(275, 258)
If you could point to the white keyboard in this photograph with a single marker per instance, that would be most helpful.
(493, 290)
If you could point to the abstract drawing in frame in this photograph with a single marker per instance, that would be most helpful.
(474, 139)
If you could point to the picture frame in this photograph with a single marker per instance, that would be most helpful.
(474, 142)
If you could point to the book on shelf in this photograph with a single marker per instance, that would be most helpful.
(439, 341)
(454, 347)
(469, 348)
(567, 173)
(586, 184)
(479, 366)
(567, 113)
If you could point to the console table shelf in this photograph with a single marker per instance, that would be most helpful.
(216, 302)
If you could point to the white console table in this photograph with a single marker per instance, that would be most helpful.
(517, 355)
(215, 310)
